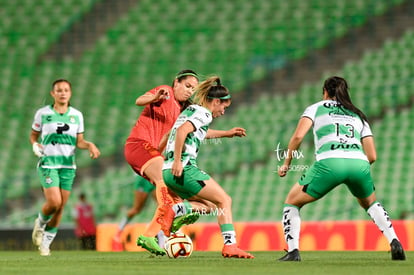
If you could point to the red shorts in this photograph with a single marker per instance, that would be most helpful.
(138, 154)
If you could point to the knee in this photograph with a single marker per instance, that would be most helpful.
(55, 204)
(225, 201)
(368, 201)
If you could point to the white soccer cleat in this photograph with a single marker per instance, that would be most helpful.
(44, 251)
(37, 234)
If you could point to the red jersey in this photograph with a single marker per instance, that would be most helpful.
(157, 118)
(85, 222)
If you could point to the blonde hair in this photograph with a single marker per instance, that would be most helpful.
(210, 89)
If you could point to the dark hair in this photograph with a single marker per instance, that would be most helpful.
(184, 74)
(60, 80)
(180, 77)
(338, 87)
(210, 89)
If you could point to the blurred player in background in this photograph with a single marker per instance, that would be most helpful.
(85, 226)
(144, 146)
(60, 128)
(344, 148)
(181, 173)
(143, 189)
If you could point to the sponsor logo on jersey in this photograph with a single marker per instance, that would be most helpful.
(344, 146)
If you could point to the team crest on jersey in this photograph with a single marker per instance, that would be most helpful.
(48, 180)
(72, 119)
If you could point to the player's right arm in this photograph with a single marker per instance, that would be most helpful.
(36, 147)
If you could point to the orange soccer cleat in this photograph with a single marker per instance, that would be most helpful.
(232, 251)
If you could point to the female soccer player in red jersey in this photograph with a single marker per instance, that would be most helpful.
(143, 151)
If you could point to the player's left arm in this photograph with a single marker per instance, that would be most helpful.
(81, 143)
(234, 132)
(369, 148)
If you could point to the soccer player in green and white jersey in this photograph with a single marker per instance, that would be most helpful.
(344, 148)
(180, 171)
(60, 128)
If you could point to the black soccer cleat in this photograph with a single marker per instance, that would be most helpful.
(291, 256)
(397, 251)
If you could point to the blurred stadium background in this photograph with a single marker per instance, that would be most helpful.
(274, 56)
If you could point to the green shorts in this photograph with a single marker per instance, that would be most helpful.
(326, 174)
(143, 185)
(190, 182)
(61, 177)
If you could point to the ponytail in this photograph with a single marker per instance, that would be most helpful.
(337, 87)
(210, 89)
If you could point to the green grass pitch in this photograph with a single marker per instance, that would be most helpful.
(99, 263)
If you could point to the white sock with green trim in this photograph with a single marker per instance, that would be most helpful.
(228, 233)
(48, 238)
(43, 219)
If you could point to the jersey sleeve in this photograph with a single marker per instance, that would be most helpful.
(366, 130)
(200, 118)
(81, 127)
(310, 112)
(37, 121)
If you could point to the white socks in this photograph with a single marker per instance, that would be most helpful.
(291, 226)
(48, 238)
(179, 209)
(229, 237)
(382, 220)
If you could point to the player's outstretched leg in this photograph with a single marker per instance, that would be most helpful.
(397, 251)
(232, 251)
(150, 244)
(291, 256)
(185, 219)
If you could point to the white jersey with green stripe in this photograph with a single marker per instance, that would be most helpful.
(58, 136)
(337, 131)
(201, 118)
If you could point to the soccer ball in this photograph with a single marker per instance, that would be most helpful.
(179, 245)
